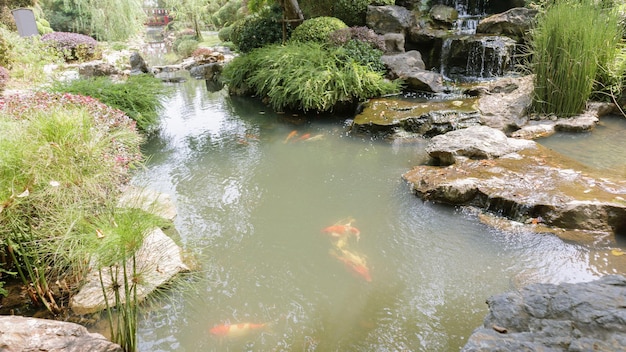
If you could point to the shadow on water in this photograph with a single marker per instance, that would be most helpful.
(252, 202)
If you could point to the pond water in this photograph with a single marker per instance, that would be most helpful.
(252, 204)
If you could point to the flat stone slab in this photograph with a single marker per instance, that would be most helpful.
(19, 334)
(588, 316)
(149, 200)
(157, 260)
(532, 184)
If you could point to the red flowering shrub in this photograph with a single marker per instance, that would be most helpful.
(73, 46)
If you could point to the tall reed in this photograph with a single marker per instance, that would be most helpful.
(572, 41)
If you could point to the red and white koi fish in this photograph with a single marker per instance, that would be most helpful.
(342, 231)
(304, 137)
(354, 262)
(290, 136)
(235, 330)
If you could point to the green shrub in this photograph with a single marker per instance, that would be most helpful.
(186, 47)
(227, 14)
(317, 29)
(573, 41)
(260, 29)
(225, 33)
(5, 51)
(140, 96)
(353, 12)
(73, 46)
(4, 78)
(364, 54)
(305, 76)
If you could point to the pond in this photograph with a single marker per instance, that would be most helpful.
(253, 198)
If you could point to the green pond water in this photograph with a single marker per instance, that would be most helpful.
(251, 209)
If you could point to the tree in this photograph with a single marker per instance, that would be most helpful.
(191, 12)
(111, 20)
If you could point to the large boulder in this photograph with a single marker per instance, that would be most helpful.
(514, 23)
(477, 56)
(588, 316)
(19, 334)
(504, 103)
(410, 67)
(522, 181)
(137, 64)
(389, 19)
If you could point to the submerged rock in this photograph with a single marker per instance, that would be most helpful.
(529, 183)
(587, 316)
(19, 334)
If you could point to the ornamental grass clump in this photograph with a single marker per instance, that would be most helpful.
(305, 76)
(63, 158)
(573, 41)
(141, 97)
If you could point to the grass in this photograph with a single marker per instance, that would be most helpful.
(140, 97)
(305, 76)
(573, 42)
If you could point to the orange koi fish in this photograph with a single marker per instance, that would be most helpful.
(235, 330)
(355, 263)
(342, 230)
(291, 135)
(317, 137)
(304, 137)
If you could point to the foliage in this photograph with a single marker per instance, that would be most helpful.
(225, 34)
(140, 96)
(186, 47)
(189, 13)
(61, 156)
(4, 77)
(317, 29)
(6, 19)
(362, 34)
(351, 12)
(259, 29)
(5, 51)
(95, 17)
(226, 14)
(305, 76)
(364, 54)
(73, 46)
(574, 40)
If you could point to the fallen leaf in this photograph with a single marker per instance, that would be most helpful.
(26, 193)
(99, 233)
(617, 252)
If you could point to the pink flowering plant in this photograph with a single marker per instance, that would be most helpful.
(73, 46)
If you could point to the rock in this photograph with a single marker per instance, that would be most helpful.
(157, 260)
(97, 68)
(505, 104)
(137, 64)
(529, 183)
(211, 71)
(409, 67)
(514, 23)
(588, 316)
(394, 43)
(387, 116)
(477, 142)
(389, 19)
(148, 200)
(444, 16)
(478, 56)
(19, 334)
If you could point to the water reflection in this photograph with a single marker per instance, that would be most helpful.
(252, 209)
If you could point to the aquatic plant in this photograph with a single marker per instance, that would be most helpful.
(305, 76)
(140, 96)
(574, 40)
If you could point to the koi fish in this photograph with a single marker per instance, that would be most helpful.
(355, 263)
(291, 135)
(317, 137)
(342, 230)
(235, 330)
(304, 137)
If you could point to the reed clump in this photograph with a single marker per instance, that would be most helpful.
(573, 43)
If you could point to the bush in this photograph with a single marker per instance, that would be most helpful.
(365, 55)
(225, 34)
(258, 30)
(317, 29)
(573, 41)
(351, 12)
(362, 34)
(186, 47)
(140, 96)
(305, 76)
(5, 52)
(73, 46)
(4, 78)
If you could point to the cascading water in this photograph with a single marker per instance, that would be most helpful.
(466, 56)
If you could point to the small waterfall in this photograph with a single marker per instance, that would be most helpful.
(490, 57)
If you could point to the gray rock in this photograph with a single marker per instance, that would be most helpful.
(587, 316)
(389, 19)
(210, 71)
(505, 102)
(394, 42)
(149, 200)
(444, 15)
(97, 68)
(20, 334)
(137, 64)
(477, 142)
(409, 67)
(514, 23)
